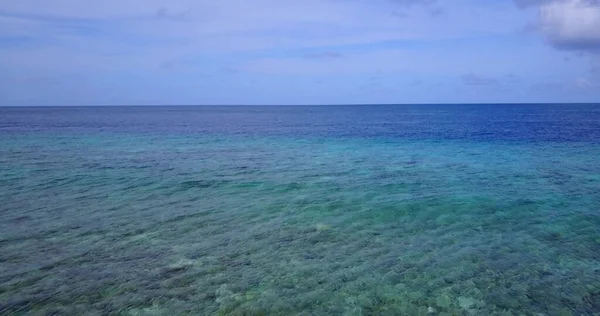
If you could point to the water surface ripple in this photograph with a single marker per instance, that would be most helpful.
(340, 210)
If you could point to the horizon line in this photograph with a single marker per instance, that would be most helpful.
(312, 105)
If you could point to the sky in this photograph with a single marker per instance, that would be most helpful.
(180, 52)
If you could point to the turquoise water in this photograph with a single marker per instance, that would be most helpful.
(278, 219)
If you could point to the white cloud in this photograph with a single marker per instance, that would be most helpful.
(571, 24)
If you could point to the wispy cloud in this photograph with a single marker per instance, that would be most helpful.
(324, 55)
(531, 3)
(157, 45)
(478, 80)
(586, 83)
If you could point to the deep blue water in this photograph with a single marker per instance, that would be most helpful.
(313, 210)
(485, 122)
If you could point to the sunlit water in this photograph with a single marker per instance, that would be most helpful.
(357, 210)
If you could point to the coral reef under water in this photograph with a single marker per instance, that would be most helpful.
(297, 226)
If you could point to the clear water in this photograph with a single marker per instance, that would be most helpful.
(351, 210)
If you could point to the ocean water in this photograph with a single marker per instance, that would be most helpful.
(330, 210)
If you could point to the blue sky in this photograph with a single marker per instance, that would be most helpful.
(111, 52)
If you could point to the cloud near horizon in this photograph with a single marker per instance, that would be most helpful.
(289, 52)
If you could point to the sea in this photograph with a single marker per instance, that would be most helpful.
(448, 209)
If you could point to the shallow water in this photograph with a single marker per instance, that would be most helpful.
(370, 210)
